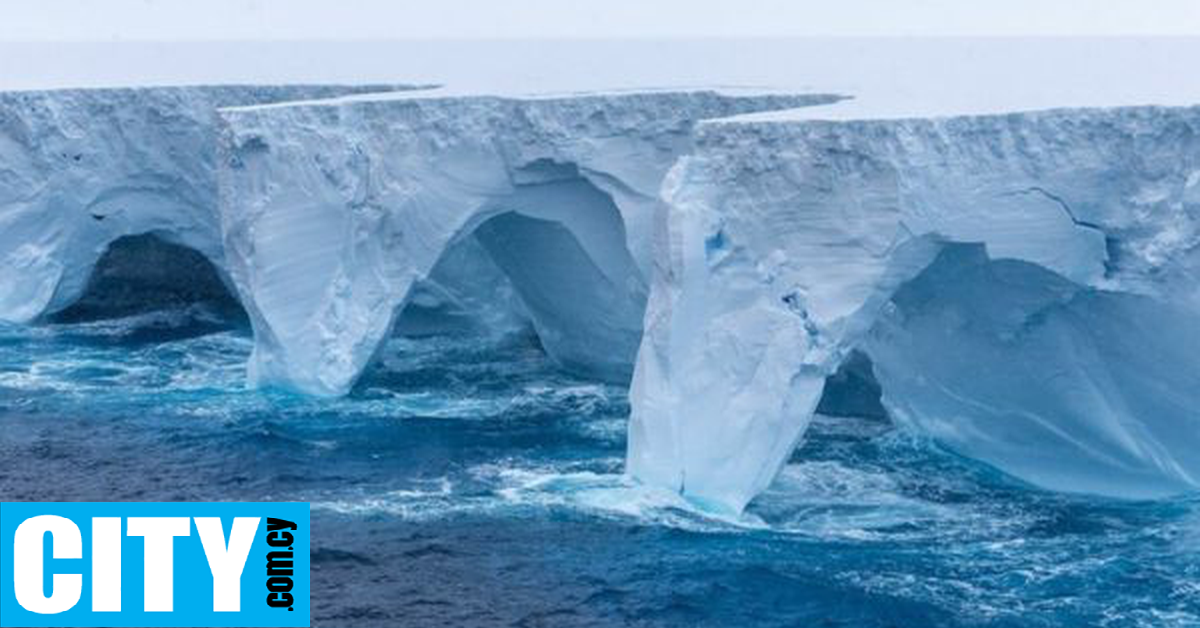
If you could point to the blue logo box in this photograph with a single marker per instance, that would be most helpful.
(154, 564)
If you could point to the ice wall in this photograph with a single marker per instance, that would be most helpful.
(81, 168)
(333, 210)
(788, 240)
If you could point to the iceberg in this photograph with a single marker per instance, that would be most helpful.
(1024, 285)
(1021, 288)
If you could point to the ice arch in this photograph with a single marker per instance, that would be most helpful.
(552, 255)
(560, 246)
(80, 169)
(788, 240)
(332, 211)
(50, 268)
(559, 240)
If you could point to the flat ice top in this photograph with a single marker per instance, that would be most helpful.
(443, 92)
(889, 77)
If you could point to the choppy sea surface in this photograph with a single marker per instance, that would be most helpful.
(469, 483)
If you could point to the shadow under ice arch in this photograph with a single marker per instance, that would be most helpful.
(147, 272)
(562, 245)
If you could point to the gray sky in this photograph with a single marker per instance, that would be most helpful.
(174, 20)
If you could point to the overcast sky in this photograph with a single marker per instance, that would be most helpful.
(172, 20)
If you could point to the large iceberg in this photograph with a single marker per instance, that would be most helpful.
(82, 168)
(1023, 288)
(1025, 284)
(335, 210)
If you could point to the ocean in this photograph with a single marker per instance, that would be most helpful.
(467, 482)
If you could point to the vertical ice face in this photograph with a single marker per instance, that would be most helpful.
(787, 241)
(333, 211)
(81, 168)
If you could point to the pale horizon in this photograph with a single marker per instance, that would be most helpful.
(375, 20)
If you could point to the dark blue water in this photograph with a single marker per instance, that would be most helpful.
(467, 483)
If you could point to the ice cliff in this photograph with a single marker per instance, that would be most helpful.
(1025, 285)
(334, 211)
(1023, 288)
(80, 169)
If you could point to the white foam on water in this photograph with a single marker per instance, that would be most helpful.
(821, 500)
